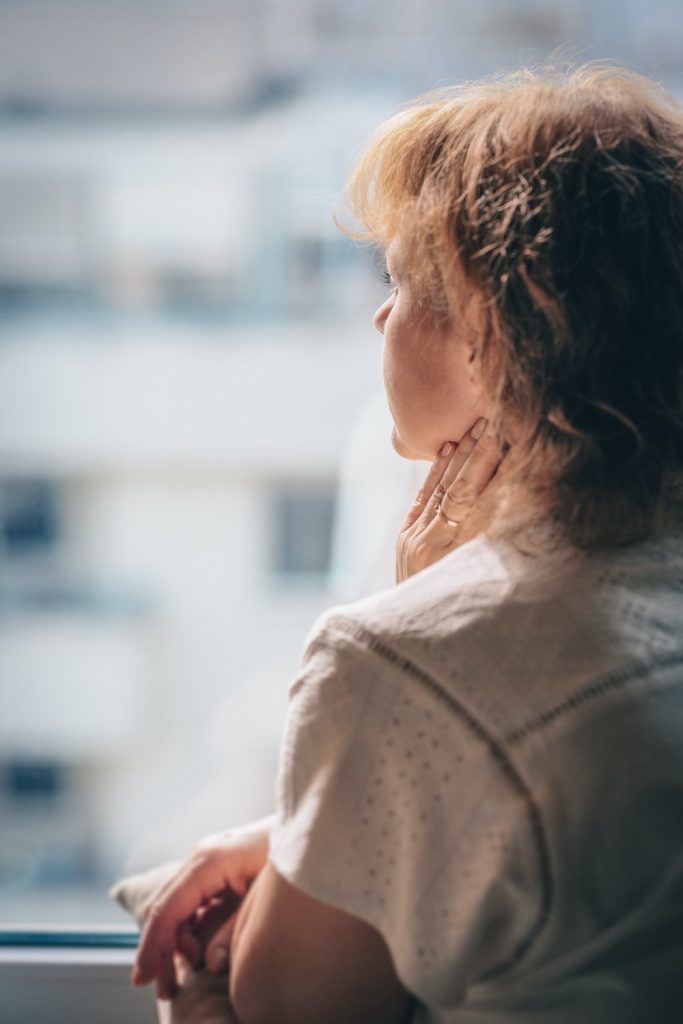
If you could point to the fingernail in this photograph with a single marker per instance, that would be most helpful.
(219, 959)
(478, 428)
(446, 449)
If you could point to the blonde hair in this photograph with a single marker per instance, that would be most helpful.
(556, 197)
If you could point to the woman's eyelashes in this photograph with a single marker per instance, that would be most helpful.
(387, 279)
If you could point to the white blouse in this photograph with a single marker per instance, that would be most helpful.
(485, 763)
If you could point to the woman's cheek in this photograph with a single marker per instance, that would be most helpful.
(397, 385)
(396, 408)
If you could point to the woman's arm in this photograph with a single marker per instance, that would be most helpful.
(293, 957)
(296, 960)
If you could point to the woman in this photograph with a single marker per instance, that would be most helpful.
(480, 804)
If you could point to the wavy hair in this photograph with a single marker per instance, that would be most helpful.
(556, 198)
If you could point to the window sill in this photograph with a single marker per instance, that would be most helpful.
(71, 984)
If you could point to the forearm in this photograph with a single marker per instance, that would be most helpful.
(245, 998)
(295, 960)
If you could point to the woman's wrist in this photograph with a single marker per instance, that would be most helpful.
(253, 838)
(257, 833)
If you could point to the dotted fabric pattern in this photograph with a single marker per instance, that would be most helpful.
(448, 775)
(393, 808)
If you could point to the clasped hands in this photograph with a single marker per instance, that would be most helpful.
(194, 915)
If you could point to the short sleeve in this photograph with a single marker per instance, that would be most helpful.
(394, 806)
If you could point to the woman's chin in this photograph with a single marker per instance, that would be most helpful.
(402, 449)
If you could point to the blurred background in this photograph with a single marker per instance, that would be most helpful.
(194, 444)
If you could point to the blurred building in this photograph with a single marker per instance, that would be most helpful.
(189, 384)
(181, 359)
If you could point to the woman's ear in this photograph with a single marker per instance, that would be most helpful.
(475, 372)
(474, 358)
(472, 354)
(474, 321)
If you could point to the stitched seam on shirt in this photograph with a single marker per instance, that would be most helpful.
(613, 681)
(500, 756)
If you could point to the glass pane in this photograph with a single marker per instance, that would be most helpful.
(194, 443)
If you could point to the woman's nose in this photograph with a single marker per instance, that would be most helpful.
(380, 316)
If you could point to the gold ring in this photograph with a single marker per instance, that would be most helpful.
(451, 522)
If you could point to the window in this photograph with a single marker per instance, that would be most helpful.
(186, 349)
(29, 516)
(300, 529)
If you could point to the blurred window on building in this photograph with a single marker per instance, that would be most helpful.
(301, 519)
(33, 780)
(29, 516)
(304, 271)
(319, 273)
(44, 236)
(48, 843)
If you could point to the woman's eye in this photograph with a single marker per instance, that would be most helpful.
(386, 278)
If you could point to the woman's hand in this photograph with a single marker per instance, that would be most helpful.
(458, 477)
(194, 913)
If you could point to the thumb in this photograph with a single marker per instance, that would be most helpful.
(217, 954)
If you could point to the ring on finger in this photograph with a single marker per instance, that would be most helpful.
(451, 522)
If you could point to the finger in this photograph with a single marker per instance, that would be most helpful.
(475, 475)
(435, 474)
(455, 465)
(166, 982)
(193, 886)
(467, 445)
(193, 934)
(188, 944)
(215, 916)
(218, 950)
(219, 900)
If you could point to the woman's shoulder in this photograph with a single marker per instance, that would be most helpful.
(505, 632)
(347, 640)
(480, 580)
(417, 632)
(489, 579)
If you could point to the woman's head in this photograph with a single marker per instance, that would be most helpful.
(541, 218)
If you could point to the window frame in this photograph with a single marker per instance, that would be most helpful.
(71, 976)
